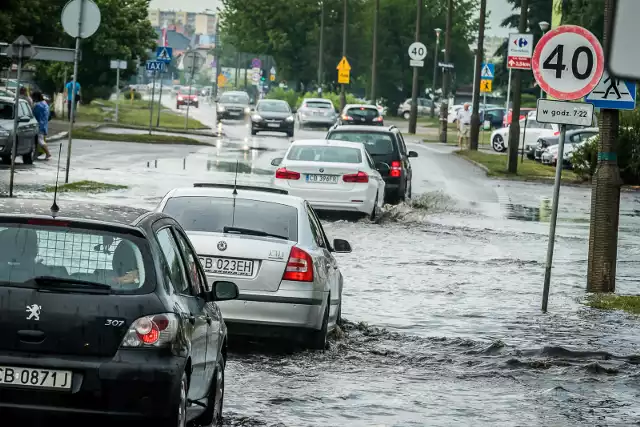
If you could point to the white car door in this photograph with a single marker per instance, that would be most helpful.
(376, 182)
(533, 131)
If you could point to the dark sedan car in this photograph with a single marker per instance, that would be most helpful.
(274, 116)
(361, 114)
(233, 105)
(573, 136)
(105, 311)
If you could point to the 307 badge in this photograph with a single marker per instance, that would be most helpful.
(275, 254)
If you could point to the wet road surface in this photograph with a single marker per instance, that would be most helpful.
(442, 298)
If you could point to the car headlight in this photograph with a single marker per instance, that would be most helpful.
(256, 118)
(4, 133)
(290, 119)
(195, 99)
(220, 109)
(180, 98)
(247, 110)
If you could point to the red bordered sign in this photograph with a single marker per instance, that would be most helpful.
(568, 62)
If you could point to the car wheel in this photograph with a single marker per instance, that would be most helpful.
(178, 417)
(253, 131)
(290, 134)
(498, 144)
(339, 316)
(197, 105)
(374, 211)
(407, 191)
(318, 339)
(213, 415)
(6, 160)
(177, 106)
(406, 115)
(29, 157)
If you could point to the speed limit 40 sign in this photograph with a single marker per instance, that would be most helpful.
(568, 62)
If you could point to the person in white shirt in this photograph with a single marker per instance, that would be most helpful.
(464, 122)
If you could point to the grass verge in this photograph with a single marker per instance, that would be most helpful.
(85, 187)
(91, 134)
(497, 166)
(452, 138)
(628, 303)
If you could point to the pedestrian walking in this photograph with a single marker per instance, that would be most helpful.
(464, 122)
(41, 113)
(68, 91)
(25, 96)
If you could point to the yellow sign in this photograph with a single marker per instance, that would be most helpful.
(344, 69)
(486, 86)
(222, 80)
(272, 78)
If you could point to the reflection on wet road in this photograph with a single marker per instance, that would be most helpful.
(442, 299)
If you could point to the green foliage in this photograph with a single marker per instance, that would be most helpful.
(585, 13)
(528, 100)
(288, 95)
(584, 158)
(334, 97)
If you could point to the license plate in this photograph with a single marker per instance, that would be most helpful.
(324, 179)
(273, 125)
(35, 378)
(227, 266)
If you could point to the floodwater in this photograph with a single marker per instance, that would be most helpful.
(442, 300)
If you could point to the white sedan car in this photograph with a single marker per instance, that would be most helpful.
(332, 175)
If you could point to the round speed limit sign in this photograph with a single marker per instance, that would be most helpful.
(568, 62)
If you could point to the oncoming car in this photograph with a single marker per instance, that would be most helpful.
(332, 175)
(272, 115)
(106, 311)
(281, 259)
(184, 97)
(233, 105)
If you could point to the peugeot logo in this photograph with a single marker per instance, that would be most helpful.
(321, 170)
(222, 245)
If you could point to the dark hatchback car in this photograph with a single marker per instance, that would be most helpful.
(495, 117)
(360, 114)
(572, 136)
(105, 311)
(387, 148)
(233, 105)
(274, 116)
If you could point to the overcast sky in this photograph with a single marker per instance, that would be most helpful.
(499, 9)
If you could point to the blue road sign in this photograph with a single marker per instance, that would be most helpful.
(164, 54)
(488, 71)
(155, 66)
(612, 93)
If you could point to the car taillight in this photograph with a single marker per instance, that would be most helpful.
(556, 133)
(345, 117)
(356, 177)
(284, 173)
(396, 169)
(52, 222)
(378, 119)
(151, 331)
(299, 267)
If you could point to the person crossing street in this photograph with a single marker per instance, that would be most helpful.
(68, 91)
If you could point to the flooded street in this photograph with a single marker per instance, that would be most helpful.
(442, 298)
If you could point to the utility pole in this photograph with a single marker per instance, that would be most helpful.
(374, 56)
(321, 43)
(444, 105)
(514, 128)
(413, 118)
(475, 112)
(343, 97)
(216, 53)
(605, 194)
(435, 73)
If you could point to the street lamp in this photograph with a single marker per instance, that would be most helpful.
(544, 26)
(435, 72)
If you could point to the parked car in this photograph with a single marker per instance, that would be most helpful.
(273, 115)
(360, 114)
(331, 175)
(185, 98)
(317, 112)
(452, 115)
(387, 148)
(572, 136)
(233, 105)
(523, 113)
(424, 108)
(495, 116)
(290, 283)
(27, 131)
(110, 314)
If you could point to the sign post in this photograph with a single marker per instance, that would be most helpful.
(417, 53)
(118, 65)
(153, 67)
(163, 54)
(486, 83)
(568, 63)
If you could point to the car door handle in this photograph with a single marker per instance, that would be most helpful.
(208, 319)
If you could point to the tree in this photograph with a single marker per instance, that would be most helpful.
(585, 13)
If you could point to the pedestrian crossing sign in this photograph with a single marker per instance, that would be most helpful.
(488, 71)
(164, 54)
(486, 86)
(613, 93)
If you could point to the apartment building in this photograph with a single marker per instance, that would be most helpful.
(199, 23)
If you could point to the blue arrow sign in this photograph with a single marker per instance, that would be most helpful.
(487, 71)
(164, 54)
(613, 93)
(155, 66)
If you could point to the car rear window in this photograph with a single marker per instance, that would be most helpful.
(317, 104)
(323, 153)
(28, 251)
(365, 112)
(376, 143)
(212, 214)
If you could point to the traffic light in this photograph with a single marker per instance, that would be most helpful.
(263, 75)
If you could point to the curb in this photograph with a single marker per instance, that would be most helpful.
(58, 136)
(473, 162)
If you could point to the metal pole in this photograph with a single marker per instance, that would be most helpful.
(73, 91)
(160, 99)
(524, 136)
(153, 93)
(508, 91)
(16, 122)
(444, 105)
(320, 50)
(435, 76)
(343, 97)
(374, 56)
(554, 215)
(193, 69)
(117, 90)
(514, 128)
(413, 118)
(237, 85)
(475, 112)
(216, 53)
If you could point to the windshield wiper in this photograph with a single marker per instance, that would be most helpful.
(250, 232)
(63, 282)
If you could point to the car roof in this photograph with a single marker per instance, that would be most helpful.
(328, 101)
(362, 128)
(72, 210)
(361, 106)
(6, 99)
(260, 196)
(281, 101)
(329, 142)
(234, 92)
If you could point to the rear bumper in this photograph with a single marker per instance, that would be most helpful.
(187, 102)
(134, 383)
(317, 120)
(271, 314)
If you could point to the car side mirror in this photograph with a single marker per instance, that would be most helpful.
(252, 109)
(341, 246)
(382, 167)
(24, 119)
(294, 110)
(276, 161)
(224, 291)
(413, 154)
